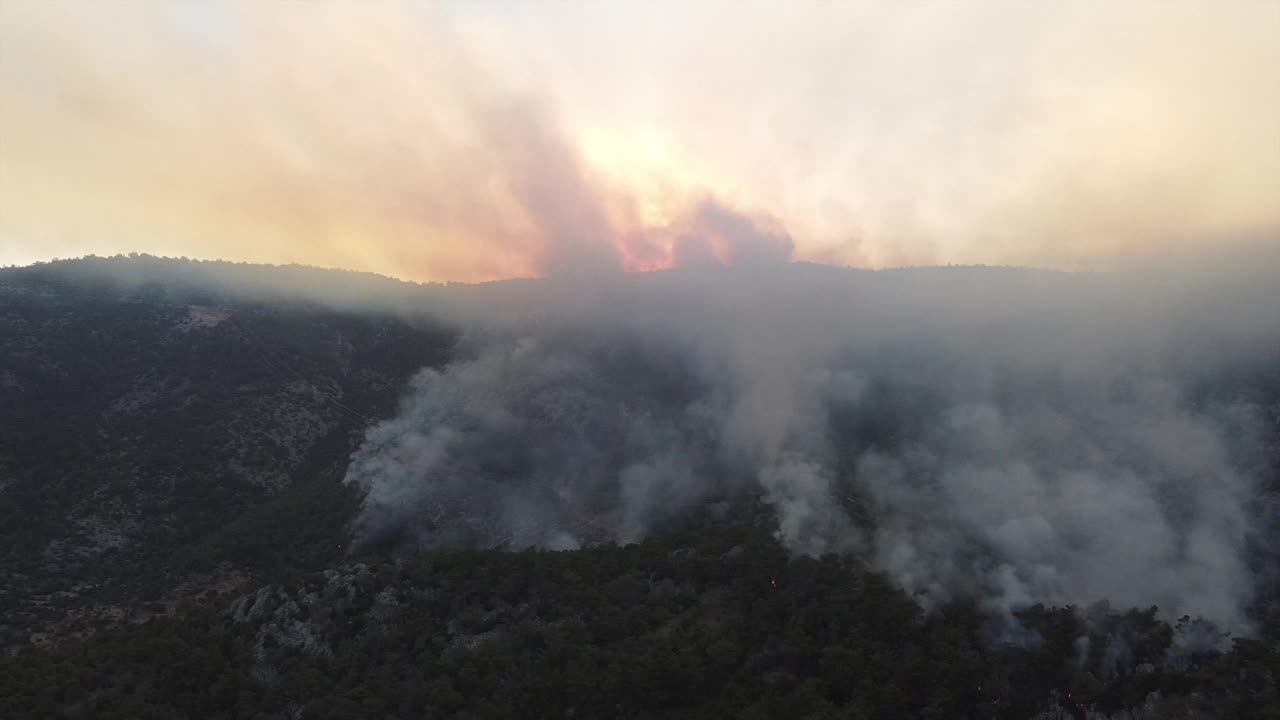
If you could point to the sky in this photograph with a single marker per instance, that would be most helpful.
(493, 139)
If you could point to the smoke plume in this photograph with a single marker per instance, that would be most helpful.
(472, 141)
(1020, 436)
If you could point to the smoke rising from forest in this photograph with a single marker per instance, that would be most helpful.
(1020, 436)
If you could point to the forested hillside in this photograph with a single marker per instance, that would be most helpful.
(177, 540)
(716, 623)
(164, 435)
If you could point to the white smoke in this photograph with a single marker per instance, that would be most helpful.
(1013, 435)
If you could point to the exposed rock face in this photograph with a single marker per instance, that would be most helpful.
(306, 619)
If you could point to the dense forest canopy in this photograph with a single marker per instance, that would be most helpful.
(244, 491)
(718, 622)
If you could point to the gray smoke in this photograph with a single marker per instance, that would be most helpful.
(1019, 436)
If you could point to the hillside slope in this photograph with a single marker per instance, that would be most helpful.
(720, 622)
(165, 436)
(176, 537)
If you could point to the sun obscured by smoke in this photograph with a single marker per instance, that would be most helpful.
(488, 140)
(368, 138)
